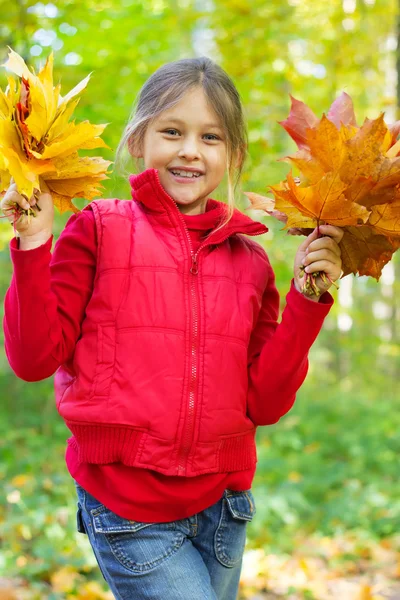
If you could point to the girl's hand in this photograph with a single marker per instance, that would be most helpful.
(319, 254)
(37, 228)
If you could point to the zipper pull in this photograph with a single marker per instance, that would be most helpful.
(194, 268)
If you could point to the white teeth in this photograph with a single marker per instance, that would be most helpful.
(185, 174)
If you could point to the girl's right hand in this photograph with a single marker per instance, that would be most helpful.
(39, 228)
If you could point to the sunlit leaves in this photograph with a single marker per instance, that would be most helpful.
(38, 142)
(349, 177)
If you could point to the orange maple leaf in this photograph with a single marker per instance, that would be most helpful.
(349, 176)
(322, 201)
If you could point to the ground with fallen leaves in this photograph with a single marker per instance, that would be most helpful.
(320, 568)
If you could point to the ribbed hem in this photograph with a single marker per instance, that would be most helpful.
(103, 444)
(237, 453)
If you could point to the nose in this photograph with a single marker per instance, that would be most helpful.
(189, 148)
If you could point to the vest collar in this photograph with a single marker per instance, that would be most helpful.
(146, 188)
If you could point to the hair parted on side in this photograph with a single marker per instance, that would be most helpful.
(165, 87)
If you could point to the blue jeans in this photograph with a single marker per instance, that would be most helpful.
(198, 558)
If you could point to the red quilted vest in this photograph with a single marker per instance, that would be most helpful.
(159, 376)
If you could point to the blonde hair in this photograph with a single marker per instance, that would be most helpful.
(166, 86)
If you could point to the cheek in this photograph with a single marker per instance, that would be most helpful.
(218, 158)
(158, 152)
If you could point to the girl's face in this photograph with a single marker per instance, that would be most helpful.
(187, 135)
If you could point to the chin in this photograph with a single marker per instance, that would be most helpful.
(180, 196)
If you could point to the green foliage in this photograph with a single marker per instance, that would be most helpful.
(38, 511)
(329, 466)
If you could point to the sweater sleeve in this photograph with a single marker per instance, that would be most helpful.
(45, 303)
(278, 352)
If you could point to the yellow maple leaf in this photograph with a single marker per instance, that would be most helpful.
(6, 102)
(39, 144)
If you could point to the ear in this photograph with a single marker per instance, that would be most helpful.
(239, 156)
(134, 148)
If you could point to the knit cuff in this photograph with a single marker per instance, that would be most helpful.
(26, 262)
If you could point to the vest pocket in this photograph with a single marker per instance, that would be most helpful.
(105, 360)
(238, 508)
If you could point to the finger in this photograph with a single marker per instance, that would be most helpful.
(324, 243)
(324, 265)
(22, 200)
(32, 199)
(13, 197)
(332, 231)
(310, 238)
(8, 212)
(11, 212)
(323, 254)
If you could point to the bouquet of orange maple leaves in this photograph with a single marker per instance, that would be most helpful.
(38, 143)
(349, 176)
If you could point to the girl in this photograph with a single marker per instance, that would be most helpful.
(158, 317)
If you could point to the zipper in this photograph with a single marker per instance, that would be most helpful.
(194, 270)
(189, 423)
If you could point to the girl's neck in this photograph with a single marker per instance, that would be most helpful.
(193, 209)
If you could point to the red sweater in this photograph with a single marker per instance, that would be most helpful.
(133, 493)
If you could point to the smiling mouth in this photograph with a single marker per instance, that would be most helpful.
(185, 178)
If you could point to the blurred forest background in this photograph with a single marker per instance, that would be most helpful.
(327, 487)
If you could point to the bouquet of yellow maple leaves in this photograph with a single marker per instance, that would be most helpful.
(349, 177)
(38, 143)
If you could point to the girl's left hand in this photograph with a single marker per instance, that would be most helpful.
(319, 254)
